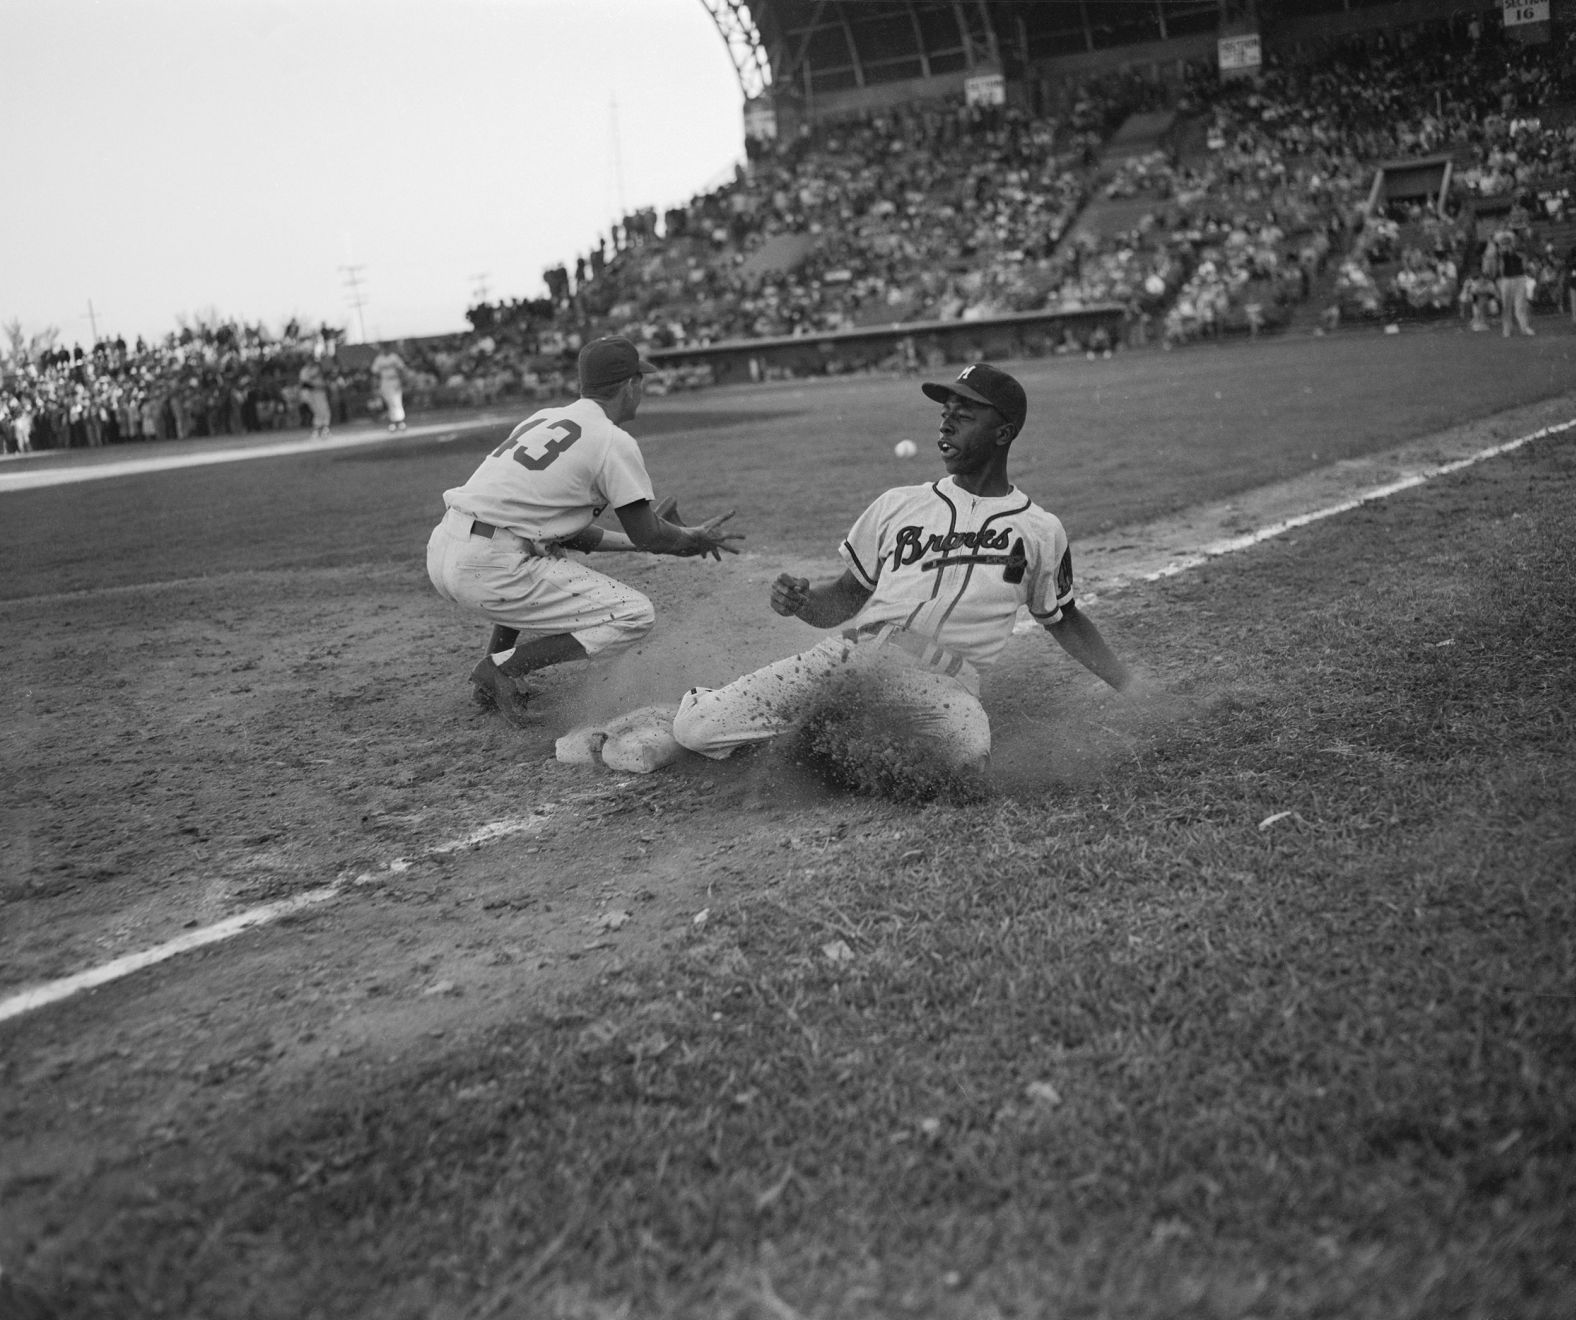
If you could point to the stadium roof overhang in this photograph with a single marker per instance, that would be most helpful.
(814, 48)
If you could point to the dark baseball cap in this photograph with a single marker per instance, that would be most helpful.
(610, 360)
(984, 384)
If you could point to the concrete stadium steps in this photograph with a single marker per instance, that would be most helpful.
(1139, 135)
(1106, 217)
(1189, 141)
(779, 252)
(1304, 317)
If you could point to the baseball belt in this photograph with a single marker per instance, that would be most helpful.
(469, 526)
(921, 648)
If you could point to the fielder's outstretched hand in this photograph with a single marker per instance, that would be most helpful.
(789, 594)
(712, 540)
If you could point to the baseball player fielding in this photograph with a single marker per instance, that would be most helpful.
(500, 549)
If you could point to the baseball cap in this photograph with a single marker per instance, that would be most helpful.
(610, 360)
(984, 384)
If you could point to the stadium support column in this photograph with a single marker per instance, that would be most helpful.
(768, 113)
(751, 61)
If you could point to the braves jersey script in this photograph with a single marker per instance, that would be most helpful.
(555, 474)
(955, 567)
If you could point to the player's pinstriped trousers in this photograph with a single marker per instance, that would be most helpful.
(930, 693)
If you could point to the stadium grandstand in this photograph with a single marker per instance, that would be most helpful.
(933, 180)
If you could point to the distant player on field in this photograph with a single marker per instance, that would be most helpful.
(500, 547)
(388, 370)
(934, 579)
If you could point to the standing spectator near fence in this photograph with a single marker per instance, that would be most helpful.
(22, 424)
(1514, 300)
(288, 415)
(1568, 283)
(150, 414)
(314, 393)
(388, 369)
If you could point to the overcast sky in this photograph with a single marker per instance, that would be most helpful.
(170, 158)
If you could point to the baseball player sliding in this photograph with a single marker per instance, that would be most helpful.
(934, 579)
(499, 549)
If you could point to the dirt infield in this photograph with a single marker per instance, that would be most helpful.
(230, 732)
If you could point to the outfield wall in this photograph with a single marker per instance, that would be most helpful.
(931, 344)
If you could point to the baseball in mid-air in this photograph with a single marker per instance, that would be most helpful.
(905, 449)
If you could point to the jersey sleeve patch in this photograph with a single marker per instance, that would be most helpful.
(1017, 563)
(1064, 577)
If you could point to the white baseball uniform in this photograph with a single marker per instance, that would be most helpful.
(947, 572)
(314, 392)
(389, 368)
(498, 549)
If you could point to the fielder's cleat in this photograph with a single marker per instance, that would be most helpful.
(493, 689)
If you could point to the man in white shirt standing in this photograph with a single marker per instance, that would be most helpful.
(500, 548)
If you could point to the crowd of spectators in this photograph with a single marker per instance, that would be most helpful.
(208, 380)
(939, 211)
(1307, 137)
(227, 378)
(949, 211)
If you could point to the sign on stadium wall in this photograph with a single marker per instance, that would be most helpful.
(1240, 54)
(985, 89)
(760, 119)
(1518, 12)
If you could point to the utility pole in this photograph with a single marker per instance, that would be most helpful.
(478, 289)
(618, 160)
(92, 321)
(355, 297)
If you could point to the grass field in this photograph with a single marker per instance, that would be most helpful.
(1253, 1002)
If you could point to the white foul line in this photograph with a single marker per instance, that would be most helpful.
(1249, 539)
(53, 991)
(136, 465)
(1114, 581)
